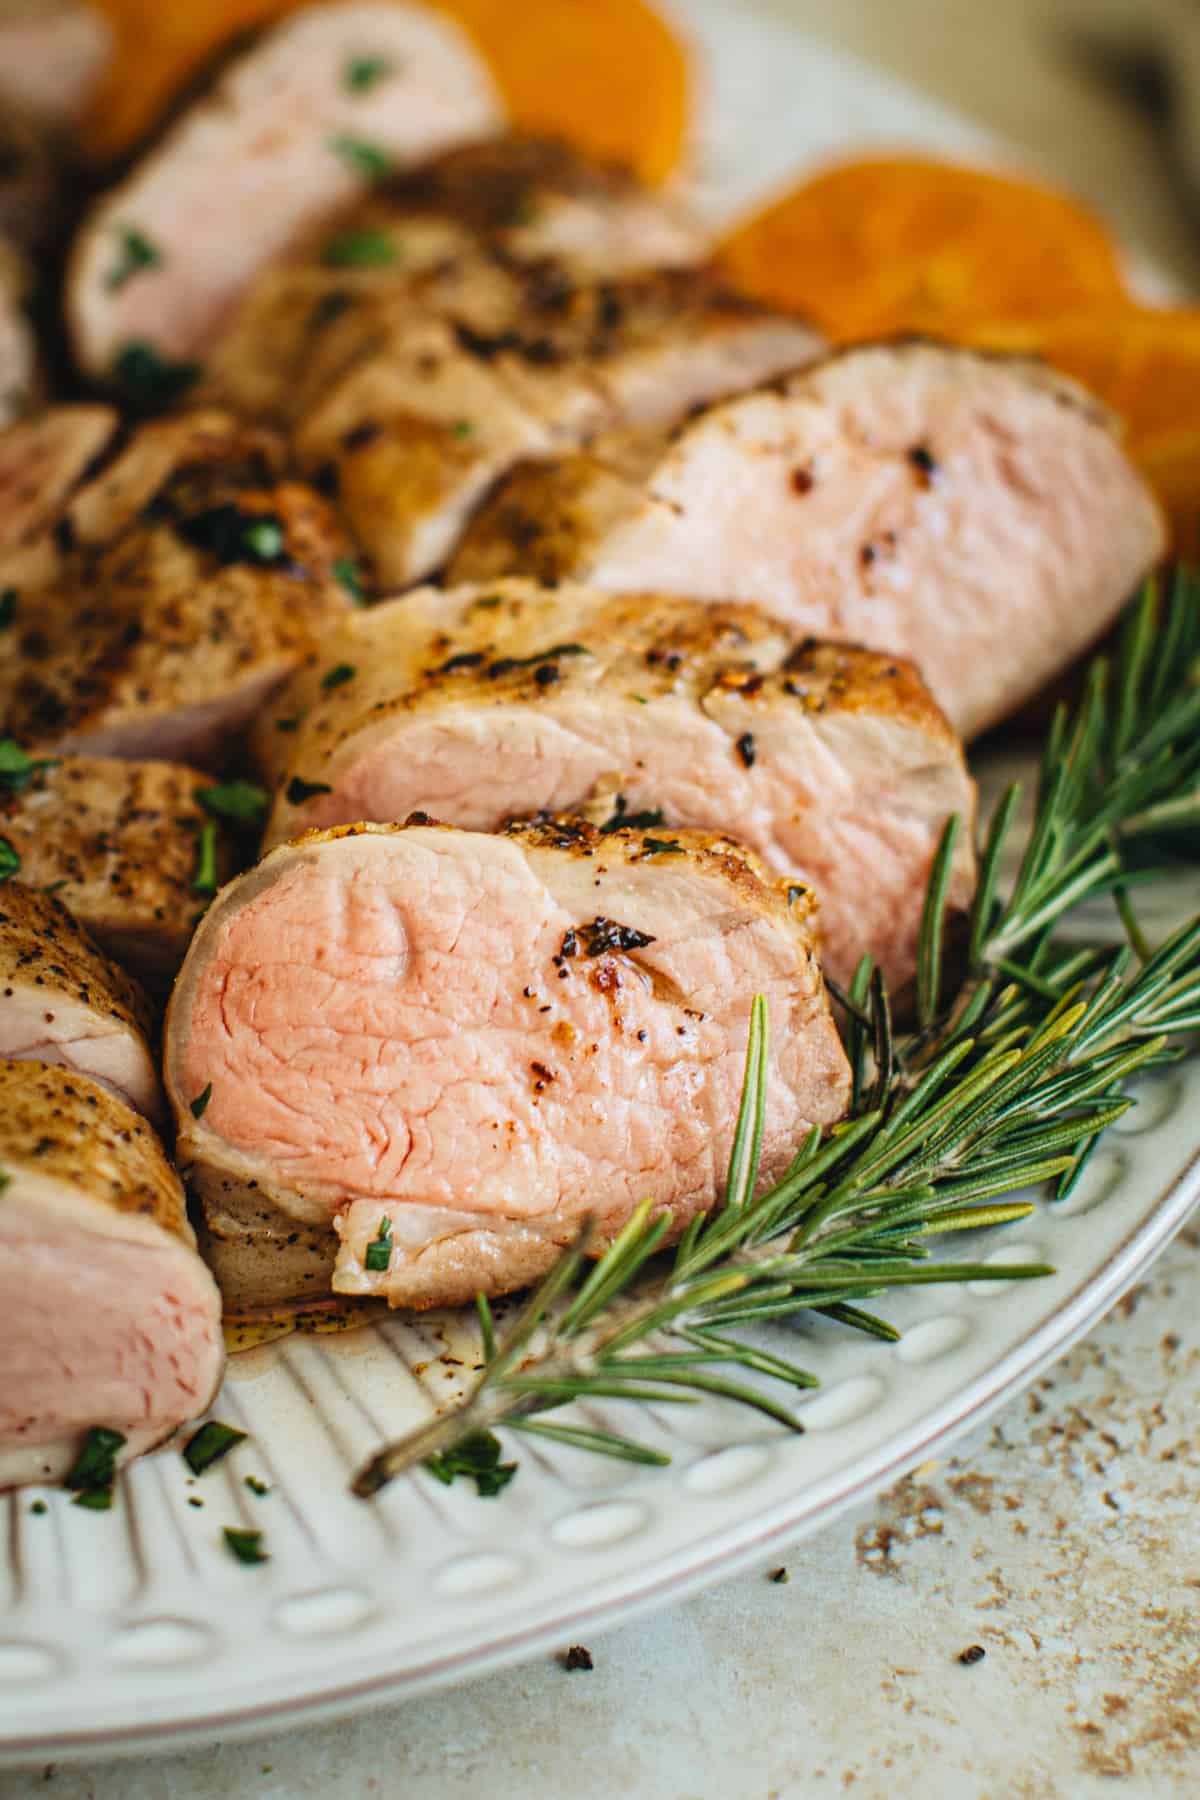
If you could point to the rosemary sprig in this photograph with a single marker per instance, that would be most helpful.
(1004, 1083)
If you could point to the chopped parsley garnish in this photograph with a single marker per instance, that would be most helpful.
(477, 1456)
(362, 72)
(201, 1101)
(462, 428)
(91, 1474)
(245, 1545)
(338, 675)
(95, 1499)
(361, 250)
(10, 861)
(204, 881)
(292, 724)
(17, 767)
(137, 253)
(347, 571)
(256, 1486)
(264, 539)
(299, 790)
(365, 159)
(653, 846)
(8, 607)
(208, 1445)
(234, 536)
(151, 382)
(638, 821)
(602, 936)
(54, 887)
(39, 1507)
(241, 802)
(379, 1250)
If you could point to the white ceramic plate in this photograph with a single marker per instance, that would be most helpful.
(135, 1628)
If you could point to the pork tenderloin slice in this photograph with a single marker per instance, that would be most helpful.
(119, 843)
(975, 513)
(42, 461)
(66, 1002)
(290, 132)
(490, 1036)
(107, 1314)
(442, 232)
(416, 400)
(537, 200)
(488, 703)
(169, 596)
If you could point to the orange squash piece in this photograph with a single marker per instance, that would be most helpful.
(909, 244)
(608, 75)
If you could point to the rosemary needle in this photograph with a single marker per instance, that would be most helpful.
(1008, 1079)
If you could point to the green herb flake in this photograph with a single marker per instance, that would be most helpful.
(246, 1546)
(462, 428)
(292, 724)
(137, 253)
(240, 802)
(338, 675)
(18, 768)
(8, 607)
(347, 572)
(95, 1499)
(54, 887)
(653, 846)
(360, 250)
(151, 382)
(477, 1456)
(93, 1470)
(201, 1101)
(299, 790)
(39, 1508)
(635, 821)
(208, 1445)
(204, 881)
(256, 1486)
(365, 159)
(364, 72)
(379, 1250)
(10, 861)
(264, 539)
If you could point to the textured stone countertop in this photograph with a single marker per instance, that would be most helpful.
(1063, 1540)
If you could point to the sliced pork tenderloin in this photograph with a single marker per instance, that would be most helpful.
(972, 512)
(410, 398)
(169, 595)
(43, 459)
(296, 127)
(108, 1317)
(485, 704)
(536, 200)
(66, 1002)
(478, 1040)
(453, 232)
(124, 845)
